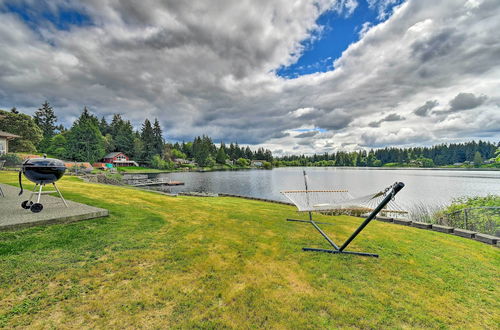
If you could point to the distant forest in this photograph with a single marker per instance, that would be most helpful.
(469, 153)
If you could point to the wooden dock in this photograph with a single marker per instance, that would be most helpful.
(154, 182)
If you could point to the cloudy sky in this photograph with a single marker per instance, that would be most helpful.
(295, 76)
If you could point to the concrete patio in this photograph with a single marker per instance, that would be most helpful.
(13, 216)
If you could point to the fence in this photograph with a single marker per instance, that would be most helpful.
(484, 219)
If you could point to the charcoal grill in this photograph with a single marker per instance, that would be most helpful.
(41, 171)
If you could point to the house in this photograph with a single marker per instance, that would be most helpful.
(118, 159)
(257, 163)
(182, 161)
(4, 141)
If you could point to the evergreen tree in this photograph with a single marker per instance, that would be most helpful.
(231, 152)
(109, 143)
(158, 138)
(46, 119)
(148, 141)
(116, 125)
(221, 156)
(58, 146)
(268, 155)
(123, 135)
(202, 147)
(85, 141)
(187, 149)
(248, 153)
(104, 127)
(478, 159)
(138, 146)
(124, 139)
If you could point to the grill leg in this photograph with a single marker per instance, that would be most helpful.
(33, 192)
(39, 194)
(60, 195)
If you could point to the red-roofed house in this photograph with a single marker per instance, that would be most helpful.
(118, 159)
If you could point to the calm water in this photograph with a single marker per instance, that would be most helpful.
(423, 186)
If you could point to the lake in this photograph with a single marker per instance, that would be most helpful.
(431, 187)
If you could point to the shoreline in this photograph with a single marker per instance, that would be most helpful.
(339, 167)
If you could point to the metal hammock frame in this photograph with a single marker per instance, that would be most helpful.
(344, 203)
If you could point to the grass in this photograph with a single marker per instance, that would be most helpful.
(139, 169)
(188, 262)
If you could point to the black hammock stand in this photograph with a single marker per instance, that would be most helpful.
(389, 195)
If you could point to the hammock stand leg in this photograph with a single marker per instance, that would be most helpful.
(372, 215)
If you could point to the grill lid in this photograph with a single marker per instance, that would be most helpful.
(43, 162)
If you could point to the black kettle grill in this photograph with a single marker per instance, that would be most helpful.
(41, 171)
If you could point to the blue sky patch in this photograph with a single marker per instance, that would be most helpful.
(318, 129)
(339, 31)
(40, 15)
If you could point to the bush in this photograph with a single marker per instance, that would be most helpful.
(178, 154)
(472, 213)
(243, 162)
(160, 164)
(267, 165)
(11, 159)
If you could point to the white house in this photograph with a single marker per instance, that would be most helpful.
(4, 141)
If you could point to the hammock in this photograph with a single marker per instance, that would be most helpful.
(340, 201)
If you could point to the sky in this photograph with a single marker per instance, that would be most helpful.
(294, 76)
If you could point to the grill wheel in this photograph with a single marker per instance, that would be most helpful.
(37, 207)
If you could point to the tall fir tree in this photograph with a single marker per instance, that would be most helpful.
(201, 151)
(46, 119)
(104, 126)
(221, 156)
(148, 141)
(123, 135)
(158, 138)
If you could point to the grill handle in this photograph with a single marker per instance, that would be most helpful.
(20, 183)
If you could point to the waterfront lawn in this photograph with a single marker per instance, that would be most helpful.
(189, 262)
(138, 169)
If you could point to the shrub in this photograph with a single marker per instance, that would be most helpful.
(11, 159)
(160, 164)
(472, 213)
(243, 162)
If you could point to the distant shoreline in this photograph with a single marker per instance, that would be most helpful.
(339, 167)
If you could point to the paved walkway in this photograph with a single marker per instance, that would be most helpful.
(13, 216)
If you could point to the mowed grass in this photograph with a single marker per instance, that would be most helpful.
(188, 262)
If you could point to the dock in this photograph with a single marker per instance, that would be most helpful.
(154, 182)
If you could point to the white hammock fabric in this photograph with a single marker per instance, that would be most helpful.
(338, 200)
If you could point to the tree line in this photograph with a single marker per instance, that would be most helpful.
(89, 139)
(439, 155)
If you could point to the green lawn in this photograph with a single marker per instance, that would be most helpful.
(190, 262)
(139, 169)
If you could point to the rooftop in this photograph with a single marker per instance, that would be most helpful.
(8, 135)
(113, 154)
